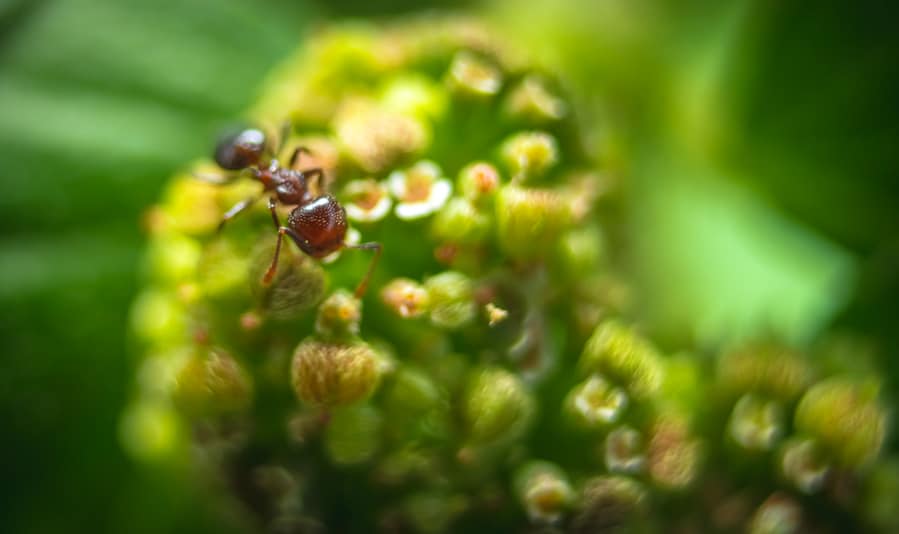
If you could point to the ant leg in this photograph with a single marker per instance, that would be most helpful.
(363, 285)
(235, 209)
(295, 157)
(319, 175)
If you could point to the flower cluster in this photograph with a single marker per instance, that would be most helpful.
(493, 377)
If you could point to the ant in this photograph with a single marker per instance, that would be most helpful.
(317, 224)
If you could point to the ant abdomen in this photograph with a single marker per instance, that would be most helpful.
(240, 150)
(321, 224)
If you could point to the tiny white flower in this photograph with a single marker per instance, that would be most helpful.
(368, 201)
(420, 190)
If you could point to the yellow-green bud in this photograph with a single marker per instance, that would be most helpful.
(451, 299)
(339, 316)
(530, 221)
(223, 269)
(672, 456)
(334, 373)
(529, 154)
(772, 370)
(609, 501)
(407, 298)
(845, 419)
(158, 317)
(544, 491)
(531, 101)
(212, 383)
(174, 258)
(298, 285)
(478, 181)
(460, 222)
(497, 406)
(473, 76)
(433, 512)
(623, 451)
(414, 95)
(756, 423)
(595, 403)
(804, 465)
(581, 252)
(620, 354)
(779, 514)
(376, 138)
(353, 434)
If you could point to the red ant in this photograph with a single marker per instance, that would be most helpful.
(317, 224)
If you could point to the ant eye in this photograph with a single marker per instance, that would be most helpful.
(240, 150)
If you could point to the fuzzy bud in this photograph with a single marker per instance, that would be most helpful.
(353, 434)
(407, 298)
(473, 76)
(756, 423)
(334, 373)
(339, 316)
(376, 138)
(530, 154)
(497, 406)
(529, 221)
(845, 419)
(619, 353)
(779, 514)
(609, 504)
(478, 181)
(460, 222)
(672, 455)
(451, 298)
(530, 100)
(595, 403)
(212, 383)
(775, 371)
(298, 285)
(544, 491)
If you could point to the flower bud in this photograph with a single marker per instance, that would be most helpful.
(451, 299)
(190, 206)
(420, 190)
(150, 430)
(776, 371)
(339, 316)
(478, 181)
(756, 423)
(376, 138)
(460, 222)
(779, 514)
(609, 504)
(531, 101)
(497, 406)
(223, 269)
(415, 96)
(212, 383)
(624, 451)
(581, 251)
(353, 434)
(472, 76)
(298, 285)
(334, 373)
(672, 456)
(845, 419)
(543, 490)
(529, 154)
(529, 221)
(619, 353)
(174, 258)
(433, 512)
(407, 298)
(803, 464)
(595, 403)
(157, 317)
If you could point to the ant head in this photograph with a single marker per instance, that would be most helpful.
(241, 149)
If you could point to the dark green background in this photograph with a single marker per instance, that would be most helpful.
(100, 100)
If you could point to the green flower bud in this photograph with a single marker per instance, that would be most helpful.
(334, 373)
(339, 315)
(672, 457)
(375, 138)
(150, 430)
(581, 251)
(776, 371)
(530, 100)
(619, 353)
(845, 419)
(451, 298)
(756, 423)
(190, 206)
(529, 154)
(212, 383)
(609, 504)
(804, 465)
(353, 434)
(415, 96)
(779, 514)
(223, 269)
(407, 298)
(460, 222)
(478, 181)
(497, 406)
(623, 451)
(595, 403)
(298, 285)
(529, 221)
(174, 258)
(158, 317)
(433, 512)
(473, 76)
(544, 491)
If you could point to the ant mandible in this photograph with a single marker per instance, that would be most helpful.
(317, 224)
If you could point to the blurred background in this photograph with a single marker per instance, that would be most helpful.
(758, 139)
